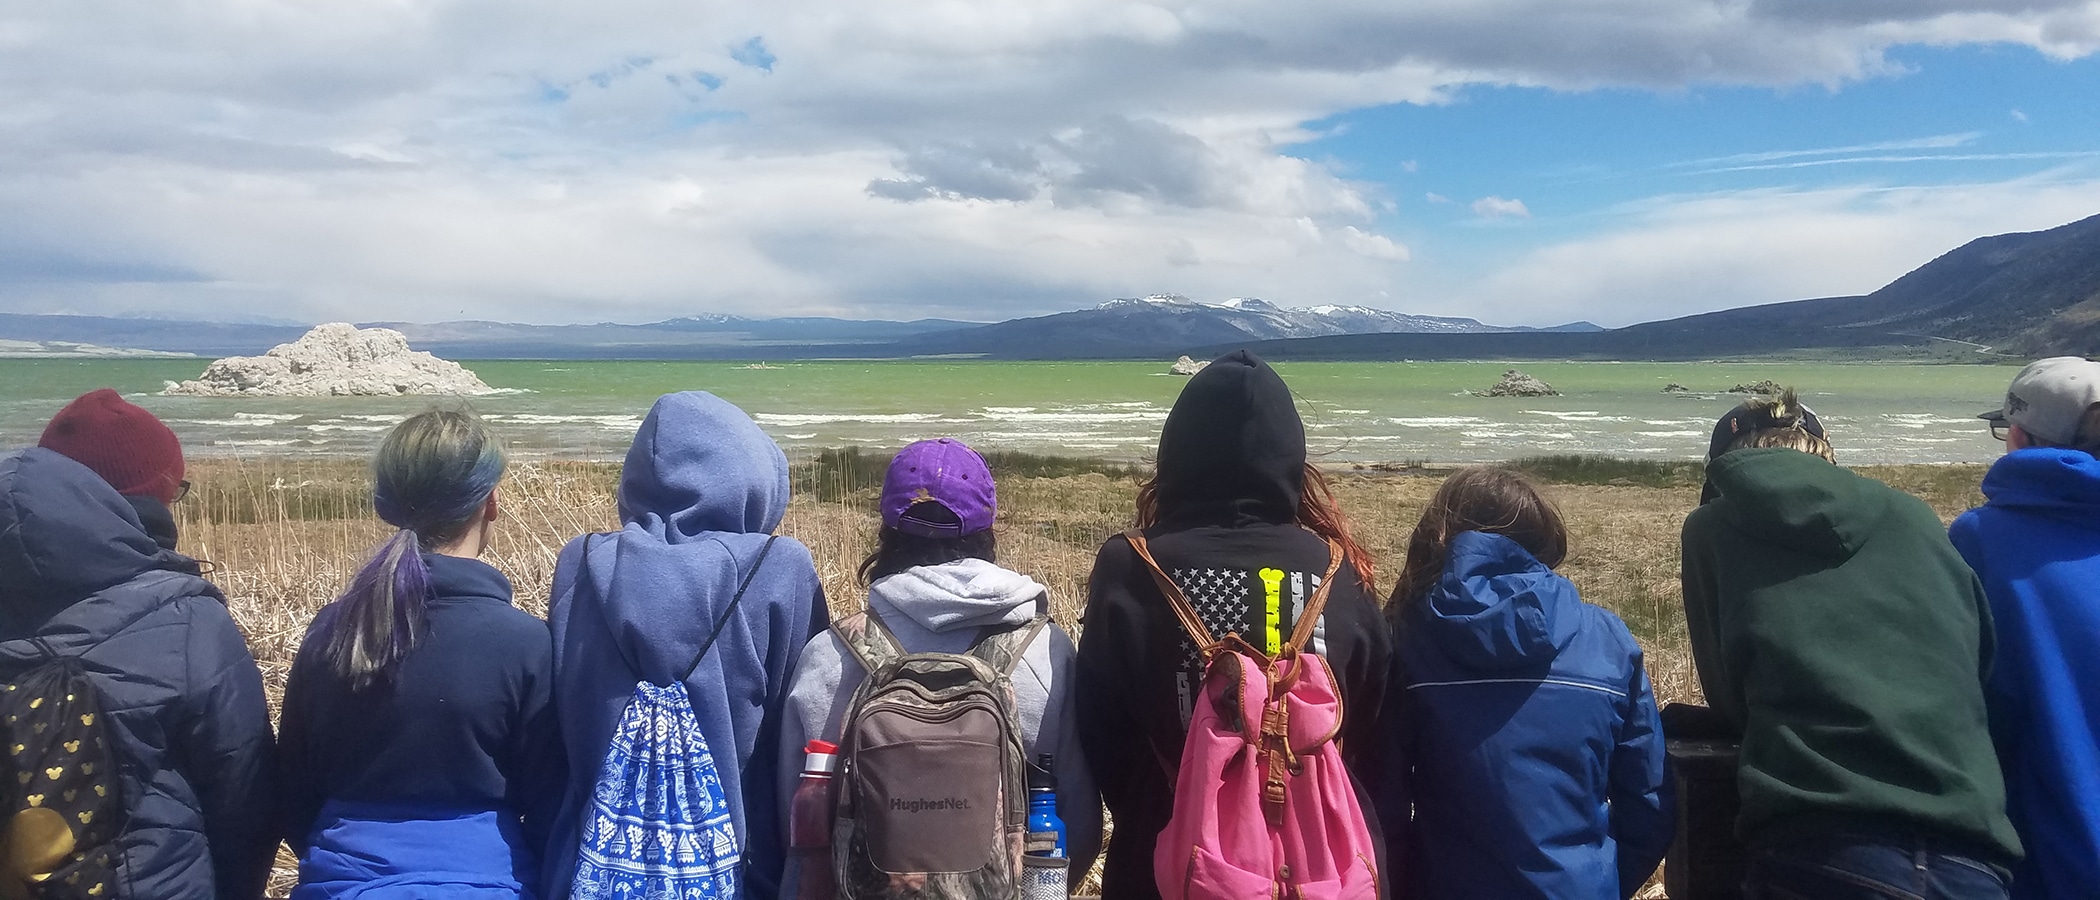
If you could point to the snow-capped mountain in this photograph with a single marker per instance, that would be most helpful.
(1145, 326)
(1263, 320)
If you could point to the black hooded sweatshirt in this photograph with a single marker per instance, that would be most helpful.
(1231, 470)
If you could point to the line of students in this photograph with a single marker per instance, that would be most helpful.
(438, 742)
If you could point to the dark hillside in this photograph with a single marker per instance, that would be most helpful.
(1120, 332)
(2015, 293)
(2024, 295)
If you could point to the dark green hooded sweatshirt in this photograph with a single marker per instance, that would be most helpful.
(1835, 625)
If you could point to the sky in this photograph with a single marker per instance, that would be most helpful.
(1518, 161)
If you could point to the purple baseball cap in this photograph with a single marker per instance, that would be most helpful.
(944, 471)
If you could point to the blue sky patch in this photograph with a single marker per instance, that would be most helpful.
(753, 53)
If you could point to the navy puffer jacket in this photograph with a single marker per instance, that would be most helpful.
(188, 722)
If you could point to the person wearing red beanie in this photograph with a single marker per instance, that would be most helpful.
(130, 448)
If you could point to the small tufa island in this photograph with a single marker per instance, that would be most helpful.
(1187, 366)
(335, 360)
(1518, 384)
(1767, 386)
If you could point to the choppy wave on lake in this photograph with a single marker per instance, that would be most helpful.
(1353, 411)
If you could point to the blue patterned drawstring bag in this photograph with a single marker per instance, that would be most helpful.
(659, 826)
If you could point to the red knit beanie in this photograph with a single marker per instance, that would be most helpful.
(129, 447)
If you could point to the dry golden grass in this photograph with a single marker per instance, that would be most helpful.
(284, 534)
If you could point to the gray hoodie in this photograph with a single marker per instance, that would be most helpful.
(940, 609)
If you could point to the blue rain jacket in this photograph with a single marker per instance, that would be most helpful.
(1520, 729)
(2036, 545)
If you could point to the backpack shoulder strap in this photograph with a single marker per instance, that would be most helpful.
(729, 610)
(1004, 648)
(1309, 619)
(1176, 599)
(870, 641)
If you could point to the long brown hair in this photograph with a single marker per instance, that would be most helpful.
(1317, 512)
(1491, 499)
(897, 550)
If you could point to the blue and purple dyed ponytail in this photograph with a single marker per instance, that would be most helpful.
(431, 478)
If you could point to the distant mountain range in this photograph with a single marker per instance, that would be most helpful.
(2010, 295)
(1167, 323)
(708, 336)
(1119, 328)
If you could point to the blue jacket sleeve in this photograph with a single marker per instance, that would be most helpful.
(1643, 802)
(223, 748)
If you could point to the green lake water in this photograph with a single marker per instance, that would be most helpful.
(1353, 411)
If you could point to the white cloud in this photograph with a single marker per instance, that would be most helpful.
(1499, 208)
(537, 159)
(1933, 142)
(1677, 256)
(1375, 246)
(1917, 158)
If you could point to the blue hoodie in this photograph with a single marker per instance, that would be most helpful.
(2036, 545)
(1524, 735)
(702, 489)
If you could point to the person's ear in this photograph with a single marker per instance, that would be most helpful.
(2017, 438)
(490, 510)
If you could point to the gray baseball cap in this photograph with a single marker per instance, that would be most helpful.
(2048, 399)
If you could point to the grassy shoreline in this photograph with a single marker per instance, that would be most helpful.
(284, 533)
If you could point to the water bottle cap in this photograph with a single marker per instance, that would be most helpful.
(819, 756)
(1040, 776)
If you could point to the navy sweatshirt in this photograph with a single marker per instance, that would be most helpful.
(467, 724)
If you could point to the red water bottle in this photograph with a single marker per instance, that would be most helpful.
(809, 822)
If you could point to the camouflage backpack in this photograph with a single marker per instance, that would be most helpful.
(932, 791)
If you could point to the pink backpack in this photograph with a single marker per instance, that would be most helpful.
(1263, 809)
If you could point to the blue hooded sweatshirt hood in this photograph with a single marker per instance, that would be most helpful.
(702, 490)
(1497, 607)
(699, 469)
(2047, 481)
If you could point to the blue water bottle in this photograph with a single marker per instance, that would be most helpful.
(1044, 869)
(1042, 805)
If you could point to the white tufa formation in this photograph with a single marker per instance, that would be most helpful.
(335, 360)
(1518, 384)
(1187, 366)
